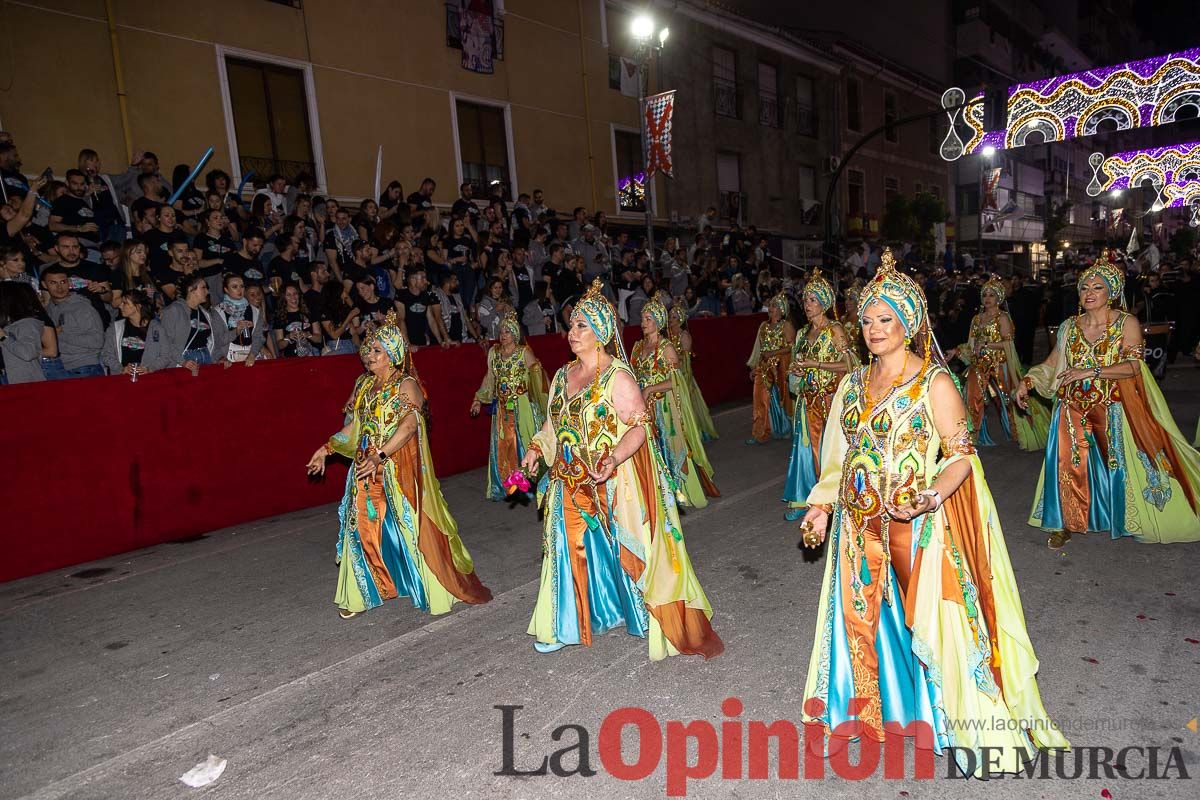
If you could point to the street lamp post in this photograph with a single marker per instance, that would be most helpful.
(650, 39)
(984, 162)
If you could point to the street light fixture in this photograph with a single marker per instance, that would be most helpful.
(649, 39)
(987, 153)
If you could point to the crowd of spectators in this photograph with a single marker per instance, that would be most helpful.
(1158, 290)
(112, 273)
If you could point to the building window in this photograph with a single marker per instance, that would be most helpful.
(917, 188)
(768, 96)
(935, 190)
(806, 115)
(891, 188)
(269, 107)
(855, 182)
(725, 83)
(631, 178)
(808, 185)
(483, 147)
(729, 184)
(890, 133)
(853, 104)
(935, 136)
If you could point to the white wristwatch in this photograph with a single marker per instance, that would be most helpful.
(935, 494)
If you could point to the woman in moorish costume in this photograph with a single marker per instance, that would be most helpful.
(821, 356)
(516, 383)
(919, 617)
(679, 335)
(771, 402)
(1115, 460)
(995, 369)
(656, 365)
(850, 320)
(397, 537)
(613, 547)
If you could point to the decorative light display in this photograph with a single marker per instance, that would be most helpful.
(631, 192)
(1173, 171)
(1139, 94)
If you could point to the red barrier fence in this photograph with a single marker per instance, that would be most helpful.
(100, 466)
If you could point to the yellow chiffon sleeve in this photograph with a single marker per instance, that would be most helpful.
(487, 389)
(756, 353)
(1044, 376)
(833, 452)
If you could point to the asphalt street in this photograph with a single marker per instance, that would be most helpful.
(122, 674)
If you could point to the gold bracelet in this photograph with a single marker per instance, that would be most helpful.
(329, 449)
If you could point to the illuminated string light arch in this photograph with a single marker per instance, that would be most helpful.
(1137, 94)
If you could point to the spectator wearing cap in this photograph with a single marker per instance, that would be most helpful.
(596, 260)
(125, 343)
(188, 334)
(20, 334)
(78, 325)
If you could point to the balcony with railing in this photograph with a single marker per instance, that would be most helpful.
(768, 111)
(264, 166)
(726, 98)
(806, 120)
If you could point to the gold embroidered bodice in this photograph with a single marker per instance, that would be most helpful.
(1082, 354)
(378, 412)
(586, 425)
(511, 375)
(815, 381)
(892, 449)
(983, 332)
(649, 364)
(772, 337)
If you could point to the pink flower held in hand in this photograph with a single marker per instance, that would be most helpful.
(517, 481)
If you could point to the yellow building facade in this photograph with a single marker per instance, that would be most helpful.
(322, 83)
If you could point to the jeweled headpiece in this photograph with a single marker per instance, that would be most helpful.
(1104, 269)
(391, 339)
(899, 291)
(821, 290)
(657, 312)
(996, 286)
(780, 301)
(598, 312)
(676, 314)
(508, 322)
